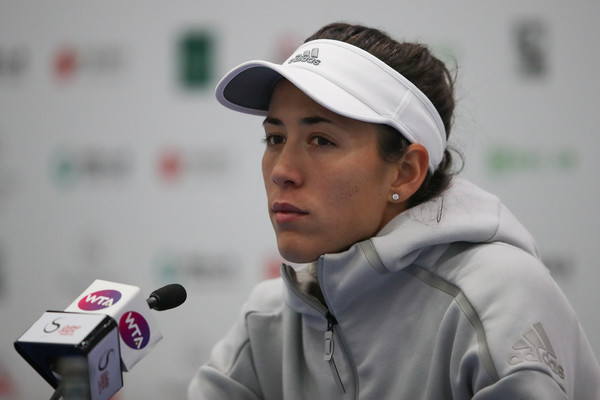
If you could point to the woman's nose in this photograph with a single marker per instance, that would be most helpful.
(286, 168)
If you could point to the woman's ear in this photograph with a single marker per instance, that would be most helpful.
(412, 170)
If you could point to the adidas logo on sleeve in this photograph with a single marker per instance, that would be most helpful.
(535, 346)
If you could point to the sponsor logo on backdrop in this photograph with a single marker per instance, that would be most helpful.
(287, 42)
(197, 267)
(196, 59)
(98, 166)
(134, 330)
(88, 61)
(14, 61)
(8, 182)
(2, 274)
(532, 44)
(505, 160)
(272, 266)
(562, 266)
(8, 386)
(178, 163)
(99, 300)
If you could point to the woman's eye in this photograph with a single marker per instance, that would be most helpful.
(321, 141)
(274, 139)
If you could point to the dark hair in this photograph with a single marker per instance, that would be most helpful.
(416, 63)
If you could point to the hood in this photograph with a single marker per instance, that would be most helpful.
(464, 213)
(418, 236)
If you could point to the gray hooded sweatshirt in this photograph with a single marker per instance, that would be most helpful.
(448, 301)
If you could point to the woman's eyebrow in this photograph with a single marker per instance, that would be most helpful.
(315, 120)
(304, 121)
(272, 121)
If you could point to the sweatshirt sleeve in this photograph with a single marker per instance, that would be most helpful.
(530, 331)
(523, 385)
(230, 373)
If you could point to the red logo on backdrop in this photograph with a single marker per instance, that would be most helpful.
(99, 300)
(65, 63)
(272, 267)
(87, 60)
(170, 164)
(8, 387)
(134, 330)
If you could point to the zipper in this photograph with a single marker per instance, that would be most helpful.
(329, 333)
(330, 348)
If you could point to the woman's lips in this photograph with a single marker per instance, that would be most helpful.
(286, 212)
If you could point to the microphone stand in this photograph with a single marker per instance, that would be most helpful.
(74, 384)
(57, 393)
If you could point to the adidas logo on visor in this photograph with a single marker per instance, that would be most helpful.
(347, 80)
(309, 56)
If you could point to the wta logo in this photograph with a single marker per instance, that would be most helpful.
(99, 300)
(134, 330)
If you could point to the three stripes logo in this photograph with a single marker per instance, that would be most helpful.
(535, 346)
(308, 56)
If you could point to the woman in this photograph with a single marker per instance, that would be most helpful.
(417, 285)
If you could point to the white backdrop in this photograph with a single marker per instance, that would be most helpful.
(112, 166)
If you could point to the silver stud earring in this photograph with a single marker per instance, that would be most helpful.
(395, 197)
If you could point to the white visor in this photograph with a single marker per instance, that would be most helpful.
(346, 80)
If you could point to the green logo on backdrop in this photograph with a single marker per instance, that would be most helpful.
(196, 59)
(506, 160)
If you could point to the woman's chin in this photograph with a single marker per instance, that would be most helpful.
(297, 257)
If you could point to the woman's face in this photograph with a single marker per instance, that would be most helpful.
(327, 186)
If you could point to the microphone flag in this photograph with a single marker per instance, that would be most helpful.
(138, 330)
(57, 336)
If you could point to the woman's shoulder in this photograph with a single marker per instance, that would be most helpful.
(500, 278)
(507, 286)
(492, 264)
(265, 297)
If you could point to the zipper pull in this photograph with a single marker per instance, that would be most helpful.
(329, 348)
(328, 345)
(331, 321)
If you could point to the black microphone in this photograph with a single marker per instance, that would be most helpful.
(167, 297)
